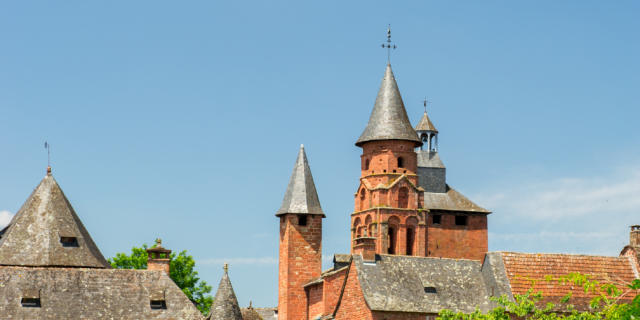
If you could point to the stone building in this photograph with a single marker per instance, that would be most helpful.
(50, 268)
(417, 245)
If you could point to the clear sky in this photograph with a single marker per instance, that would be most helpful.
(182, 120)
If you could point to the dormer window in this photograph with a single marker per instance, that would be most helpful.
(30, 298)
(69, 241)
(158, 304)
(430, 290)
(157, 300)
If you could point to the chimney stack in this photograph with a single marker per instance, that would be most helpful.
(366, 247)
(634, 236)
(158, 257)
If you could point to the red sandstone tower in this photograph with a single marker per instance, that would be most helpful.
(403, 200)
(389, 204)
(300, 241)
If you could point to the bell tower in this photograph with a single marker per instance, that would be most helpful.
(300, 258)
(389, 200)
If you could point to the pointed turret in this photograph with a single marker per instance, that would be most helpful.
(389, 120)
(427, 131)
(301, 196)
(47, 232)
(225, 304)
(425, 124)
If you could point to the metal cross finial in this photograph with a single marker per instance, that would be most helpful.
(388, 45)
(426, 101)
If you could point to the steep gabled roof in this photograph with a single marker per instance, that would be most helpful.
(425, 124)
(36, 233)
(225, 304)
(389, 120)
(301, 195)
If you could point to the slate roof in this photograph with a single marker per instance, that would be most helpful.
(451, 200)
(425, 124)
(301, 195)
(250, 314)
(521, 268)
(397, 283)
(33, 237)
(265, 313)
(429, 159)
(90, 293)
(388, 120)
(225, 304)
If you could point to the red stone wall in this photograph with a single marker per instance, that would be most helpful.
(447, 240)
(300, 261)
(332, 286)
(315, 301)
(353, 306)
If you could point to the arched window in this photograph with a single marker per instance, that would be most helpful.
(403, 197)
(400, 162)
(393, 225)
(356, 228)
(366, 165)
(362, 198)
(412, 224)
(368, 223)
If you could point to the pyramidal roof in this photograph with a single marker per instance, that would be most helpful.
(301, 195)
(425, 124)
(389, 120)
(225, 304)
(47, 232)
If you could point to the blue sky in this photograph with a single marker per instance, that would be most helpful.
(183, 120)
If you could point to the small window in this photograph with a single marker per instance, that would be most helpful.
(400, 162)
(366, 165)
(158, 304)
(437, 219)
(461, 220)
(430, 290)
(30, 302)
(302, 220)
(69, 241)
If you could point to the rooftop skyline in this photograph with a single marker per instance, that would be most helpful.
(183, 121)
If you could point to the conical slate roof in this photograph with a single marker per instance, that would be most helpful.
(425, 124)
(47, 232)
(389, 120)
(225, 304)
(301, 195)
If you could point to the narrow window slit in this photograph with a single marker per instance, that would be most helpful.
(30, 302)
(158, 304)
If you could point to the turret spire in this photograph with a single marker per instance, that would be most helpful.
(427, 131)
(225, 304)
(301, 195)
(389, 120)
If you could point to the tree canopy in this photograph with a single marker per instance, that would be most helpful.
(181, 272)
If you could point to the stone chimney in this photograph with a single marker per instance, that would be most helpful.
(634, 236)
(366, 247)
(158, 257)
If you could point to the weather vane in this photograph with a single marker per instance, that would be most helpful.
(426, 101)
(48, 147)
(388, 45)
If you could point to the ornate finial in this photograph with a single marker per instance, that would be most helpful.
(388, 45)
(48, 147)
(250, 305)
(158, 242)
(226, 267)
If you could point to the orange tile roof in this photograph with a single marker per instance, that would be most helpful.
(527, 269)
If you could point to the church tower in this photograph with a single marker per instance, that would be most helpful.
(389, 201)
(300, 258)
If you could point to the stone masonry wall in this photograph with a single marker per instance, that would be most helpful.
(448, 240)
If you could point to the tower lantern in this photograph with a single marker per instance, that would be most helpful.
(427, 131)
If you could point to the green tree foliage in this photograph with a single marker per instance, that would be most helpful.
(181, 272)
(604, 305)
